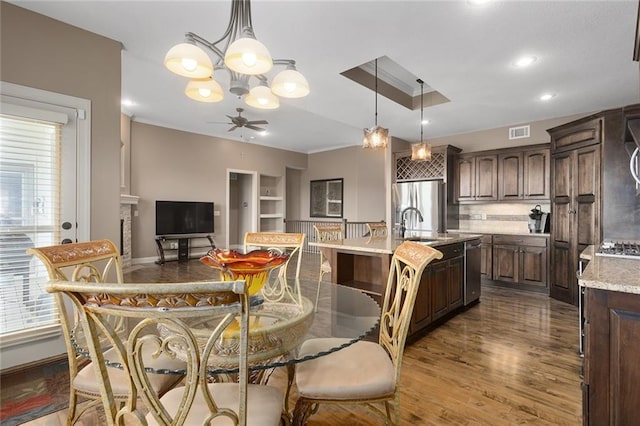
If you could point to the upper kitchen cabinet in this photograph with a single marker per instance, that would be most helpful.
(476, 178)
(513, 174)
(583, 133)
(523, 175)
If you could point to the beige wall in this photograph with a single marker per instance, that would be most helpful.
(169, 164)
(499, 137)
(46, 54)
(363, 171)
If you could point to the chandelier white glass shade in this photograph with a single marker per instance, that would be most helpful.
(290, 83)
(205, 90)
(261, 97)
(421, 151)
(376, 137)
(188, 60)
(243, 57)
(248, 56)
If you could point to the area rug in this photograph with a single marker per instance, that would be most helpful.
(33, 392)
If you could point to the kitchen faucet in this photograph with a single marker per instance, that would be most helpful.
(402, 227)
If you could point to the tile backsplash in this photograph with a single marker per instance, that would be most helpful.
(498, 217)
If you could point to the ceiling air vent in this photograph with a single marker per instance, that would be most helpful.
(519, 132)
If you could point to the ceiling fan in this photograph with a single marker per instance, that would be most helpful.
(240, 121)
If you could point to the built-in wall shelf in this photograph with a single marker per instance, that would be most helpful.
(272, 205)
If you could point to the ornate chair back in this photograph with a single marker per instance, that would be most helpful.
(283, 242)
(91, 263)
(377, 229)
(332, 379)
(205, 324)
(407, 265)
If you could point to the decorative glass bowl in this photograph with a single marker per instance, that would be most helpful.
(253, 267)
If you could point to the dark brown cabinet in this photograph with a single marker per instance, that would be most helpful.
(477, 178)
(575, 203)
(611, 395)
(520, 260)
(513, 174)
(523, 175)
(486, 256)
(441, 288)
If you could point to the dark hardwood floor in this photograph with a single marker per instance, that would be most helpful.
(511, 359)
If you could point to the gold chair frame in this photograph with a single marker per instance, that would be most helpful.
(276, 289)
(407, 266)
(326, 232)
(172, 306)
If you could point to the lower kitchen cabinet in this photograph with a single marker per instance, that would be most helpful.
(486, 256)
(520, 260)
(441, 288)
(611, 394)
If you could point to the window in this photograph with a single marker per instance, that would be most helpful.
(29, 210)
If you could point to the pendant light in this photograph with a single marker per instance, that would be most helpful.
(421, 151)
(376, 137)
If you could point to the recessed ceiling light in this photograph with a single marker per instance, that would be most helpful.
(263, 133)
(425, 121)
(547, 96)
(127, 102)
(478, 2)
(524, 61)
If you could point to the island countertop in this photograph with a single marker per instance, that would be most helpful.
(610, 273)
(389, 244)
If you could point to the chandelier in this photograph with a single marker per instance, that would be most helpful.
(243, 57)
(376, 137)
(421, 151)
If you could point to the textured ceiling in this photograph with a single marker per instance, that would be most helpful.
(584, 51)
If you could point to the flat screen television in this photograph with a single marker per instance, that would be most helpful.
(184, 217)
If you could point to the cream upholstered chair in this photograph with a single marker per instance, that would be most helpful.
(367, 372)
(203, 323)
(91, 262)
(326, 232)
(283, 242)
(377, 229)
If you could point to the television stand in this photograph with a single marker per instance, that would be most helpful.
(184, 247)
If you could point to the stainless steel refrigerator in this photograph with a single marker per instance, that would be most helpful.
(426, 196)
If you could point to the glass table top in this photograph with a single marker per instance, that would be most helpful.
(278, 328)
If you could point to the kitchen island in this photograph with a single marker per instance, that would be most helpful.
(611, 385)
(364, 263)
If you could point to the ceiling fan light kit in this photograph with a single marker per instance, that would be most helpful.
(376, 137)
(242, 56)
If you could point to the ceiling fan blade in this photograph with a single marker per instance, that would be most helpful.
(249, 126)
(233, 128)
(229, 117)
(258, 122)
(218, 122)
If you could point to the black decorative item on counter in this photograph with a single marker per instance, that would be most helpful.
(538, 220)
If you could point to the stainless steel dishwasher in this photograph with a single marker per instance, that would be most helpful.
(472, 255)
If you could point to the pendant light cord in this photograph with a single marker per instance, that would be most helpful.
(376, 102)
(421, 106)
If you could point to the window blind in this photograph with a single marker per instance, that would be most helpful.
(29, 213)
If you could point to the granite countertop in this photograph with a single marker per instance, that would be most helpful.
(388, 245)
(485, 232)
(610, 273)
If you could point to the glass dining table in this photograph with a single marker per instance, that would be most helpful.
(278, 328)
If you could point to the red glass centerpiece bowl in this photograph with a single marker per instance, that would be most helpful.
(253, 267)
